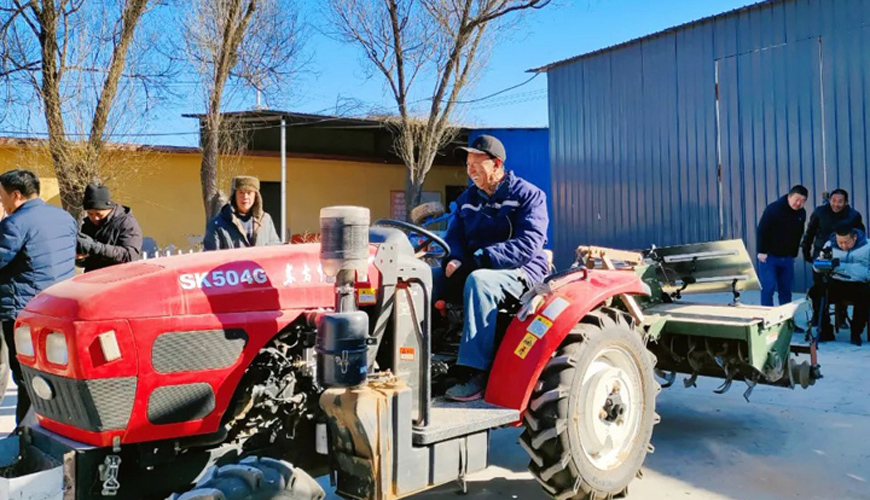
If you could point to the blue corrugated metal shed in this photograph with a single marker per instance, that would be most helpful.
(528, 155)
(777, 93)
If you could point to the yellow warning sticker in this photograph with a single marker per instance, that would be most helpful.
(366, 297)
(539, 326)
(525, 345)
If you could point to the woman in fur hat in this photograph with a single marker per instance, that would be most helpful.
(241, 222)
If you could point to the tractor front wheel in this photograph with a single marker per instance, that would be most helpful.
(590, 418)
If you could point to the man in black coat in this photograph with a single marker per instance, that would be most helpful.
(109, 235)
(825, 220)
(778, 238)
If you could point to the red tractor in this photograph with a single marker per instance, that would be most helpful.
(204, 376)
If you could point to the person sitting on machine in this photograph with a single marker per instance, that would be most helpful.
(849, 254)
(496, 240)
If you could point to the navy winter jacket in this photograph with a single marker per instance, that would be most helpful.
(37, 250)
(780, 229)
(510, 227)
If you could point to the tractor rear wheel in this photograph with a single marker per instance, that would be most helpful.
(255, 479)
(590, 419)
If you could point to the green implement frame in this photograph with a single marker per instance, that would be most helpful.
(731, 341)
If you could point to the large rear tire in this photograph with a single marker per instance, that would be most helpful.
(590, 418)
(255, 479)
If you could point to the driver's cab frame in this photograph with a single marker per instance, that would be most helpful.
(406, 320)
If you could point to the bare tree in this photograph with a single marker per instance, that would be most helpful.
(72, 58)
(236, 46)
(444, 41)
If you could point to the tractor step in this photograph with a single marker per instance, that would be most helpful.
(28, 472)
(451, 419)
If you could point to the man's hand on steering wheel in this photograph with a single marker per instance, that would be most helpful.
(421, 248)
(451, 268)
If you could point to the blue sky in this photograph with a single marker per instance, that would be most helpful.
(564, 29)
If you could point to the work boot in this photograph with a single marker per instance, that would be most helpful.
(470, 390)
(856, 340)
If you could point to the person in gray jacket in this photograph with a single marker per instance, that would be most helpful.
(850, 281)
(241, 222)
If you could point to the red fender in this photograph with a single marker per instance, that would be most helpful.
(529, 344)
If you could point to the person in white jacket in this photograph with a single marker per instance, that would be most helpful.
(850, 281)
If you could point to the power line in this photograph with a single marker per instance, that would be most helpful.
(478, 99)
(502, 91)
(509, 102)
(164, 134)
(504, 101)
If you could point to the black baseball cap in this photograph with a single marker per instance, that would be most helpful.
(484, 145)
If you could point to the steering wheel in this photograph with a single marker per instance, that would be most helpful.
(429, 237)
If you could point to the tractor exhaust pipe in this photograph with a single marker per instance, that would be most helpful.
(342, 336)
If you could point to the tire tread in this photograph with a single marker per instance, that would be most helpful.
(545, 437)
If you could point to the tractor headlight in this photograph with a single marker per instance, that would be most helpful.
(55, 349)
(41, 388)
(23, 341)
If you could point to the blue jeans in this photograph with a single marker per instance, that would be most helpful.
(776, 275)
(485, 290)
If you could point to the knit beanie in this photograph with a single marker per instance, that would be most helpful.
(97, 197)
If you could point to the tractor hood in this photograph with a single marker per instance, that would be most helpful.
(227, 281)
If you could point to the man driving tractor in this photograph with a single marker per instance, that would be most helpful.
(497, 239)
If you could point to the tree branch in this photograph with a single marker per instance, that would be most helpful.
(31, 66)
(130, 19)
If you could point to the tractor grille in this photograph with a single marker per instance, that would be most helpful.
(180, 403)
(194, 351)
(95, 405)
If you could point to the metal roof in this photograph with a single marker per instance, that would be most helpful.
(733, 12)
(337, 137)
(272, 115)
